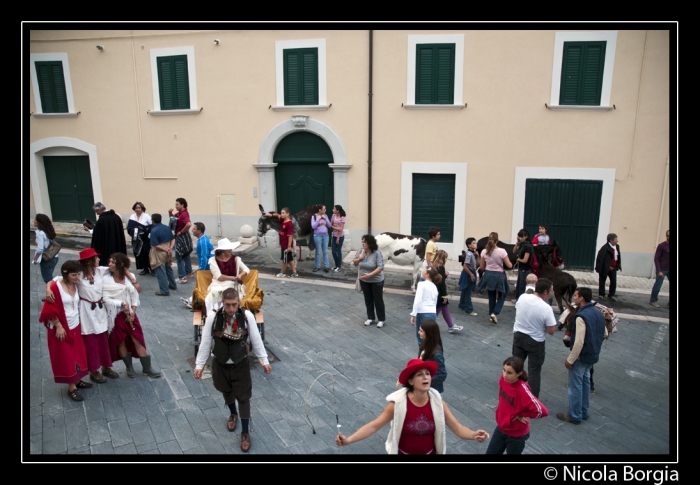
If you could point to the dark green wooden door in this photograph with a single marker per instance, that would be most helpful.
(302, 176)
(571, 210)
(70, 188)
(433, 205)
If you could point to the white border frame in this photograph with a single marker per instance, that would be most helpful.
(56, 147)
(606, 175)
(413, 41)
(280, 46)
(54, 56)
(191, 79)
(560, 38)
(460, 171)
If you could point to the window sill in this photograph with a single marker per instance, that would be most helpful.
(55, 115)
(434, 106)
(302, 107)
(575, 107)
(169, 112)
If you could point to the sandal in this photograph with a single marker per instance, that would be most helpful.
(84, 385)
(75, 395)
(183, 281)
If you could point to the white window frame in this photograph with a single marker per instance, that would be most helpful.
(54, 56)
(413, 41)
(191, 80)
(459, 170)
(559, 39)
(280, 46)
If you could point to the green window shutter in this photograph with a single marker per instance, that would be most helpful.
(52, 86)
(173, 82)
(300, 76)
(582, 69)
(435, 73)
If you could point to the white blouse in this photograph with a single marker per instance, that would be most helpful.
(71, 305)
(114, 294)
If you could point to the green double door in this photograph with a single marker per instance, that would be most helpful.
(571, 210)
(303, 177)
(69, 185)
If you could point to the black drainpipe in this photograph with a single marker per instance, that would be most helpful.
(369, 144)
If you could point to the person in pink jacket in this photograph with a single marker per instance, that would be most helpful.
(516, 406)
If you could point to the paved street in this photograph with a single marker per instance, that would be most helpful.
(313, 326)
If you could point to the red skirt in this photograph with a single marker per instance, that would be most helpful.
(97, 349)
(122, 332)
(68, 357)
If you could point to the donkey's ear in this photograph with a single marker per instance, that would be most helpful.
(262, 211)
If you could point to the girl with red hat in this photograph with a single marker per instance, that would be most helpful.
(418, 416)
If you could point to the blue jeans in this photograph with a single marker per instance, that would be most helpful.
(184, 265)
(496, 301)
(657, 286)
(465, 297)
(321, 242)
(337, 251)
(48, 266)
(166, 278)
(419, 318)
(500, 442)
(579, 390)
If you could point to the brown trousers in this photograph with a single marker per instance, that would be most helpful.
(233, 381)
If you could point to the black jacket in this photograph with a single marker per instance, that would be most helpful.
(605, 258)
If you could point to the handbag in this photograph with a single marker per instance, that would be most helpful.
(51, 251)
(357, 281)
(183, 244)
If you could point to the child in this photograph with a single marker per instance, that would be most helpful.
(425, 302)
(542, 238)
(286, 243)
(530, 283)
(431, 349)
(204, 249)
(431, 246)
(516, 404)
(442, 303)
(467, 280)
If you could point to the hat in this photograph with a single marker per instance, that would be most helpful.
(88, 253)
(414, 365)
(224, 245)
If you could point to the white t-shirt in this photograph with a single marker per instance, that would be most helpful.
(532, 316)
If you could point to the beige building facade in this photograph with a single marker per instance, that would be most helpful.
(496, 142)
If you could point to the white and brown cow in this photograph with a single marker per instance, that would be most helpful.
(301, 221)
(403, 250)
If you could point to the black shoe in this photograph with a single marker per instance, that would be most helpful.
(612, 298)
(145, 271)
(316, 269)
(326, 270)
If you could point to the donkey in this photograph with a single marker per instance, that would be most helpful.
(301, 221)
(403, 250)
(564, 284)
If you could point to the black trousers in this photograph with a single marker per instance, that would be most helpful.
(233, 381)
(374, 298)
(528, 348)
(602, 276)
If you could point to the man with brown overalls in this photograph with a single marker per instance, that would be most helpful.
(224, 335)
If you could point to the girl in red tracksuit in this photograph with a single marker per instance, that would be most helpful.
(516, 404)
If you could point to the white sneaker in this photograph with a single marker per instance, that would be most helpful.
(186, 302)
(368, 323)
(336, 269)
(473, 314)
(493, 318)
(456, 328)
(380, 324)
(280, 275)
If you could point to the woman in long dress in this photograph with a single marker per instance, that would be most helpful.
(139, 227)
(126, 335)
(61, 317)
(227, 271)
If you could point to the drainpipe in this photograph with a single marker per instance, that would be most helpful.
(369, 143)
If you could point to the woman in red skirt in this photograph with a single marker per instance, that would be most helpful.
(62, 321)
(125, 332)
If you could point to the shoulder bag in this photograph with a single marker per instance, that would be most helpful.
(183, 244)
(51, 251)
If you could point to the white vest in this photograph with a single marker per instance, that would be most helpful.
(400, 408)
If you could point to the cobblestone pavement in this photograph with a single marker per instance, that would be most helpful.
(313, 326)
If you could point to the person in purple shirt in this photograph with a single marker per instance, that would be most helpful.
(662, 259)
(320, 225)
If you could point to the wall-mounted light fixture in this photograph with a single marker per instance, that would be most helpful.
(99, 48)
(216, 41)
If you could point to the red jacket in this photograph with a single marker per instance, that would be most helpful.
(517, 400)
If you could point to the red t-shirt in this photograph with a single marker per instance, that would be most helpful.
(183, 217)
(418, 432)
(286, 229)
(227, 268)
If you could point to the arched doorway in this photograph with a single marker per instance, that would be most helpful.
(302, 175)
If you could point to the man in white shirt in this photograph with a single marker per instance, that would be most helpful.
(533, 319)
(224, 335)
